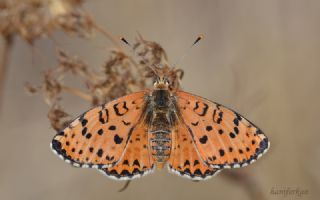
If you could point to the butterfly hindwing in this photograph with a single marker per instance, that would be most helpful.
(185, 160)
(223, 138)
(99, 137)
(136, 160)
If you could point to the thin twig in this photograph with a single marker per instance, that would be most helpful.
(8, 43)
(125, 186)
(108, 35)
(77, 93)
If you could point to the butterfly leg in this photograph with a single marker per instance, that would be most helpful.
(125, 186)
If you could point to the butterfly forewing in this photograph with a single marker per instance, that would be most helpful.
(99, 137)
(222, 137)
(185, 160)
(136, 160)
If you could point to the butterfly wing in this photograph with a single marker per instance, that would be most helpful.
(99, 137)
(223, 138)
(184, 159)
(136, 161)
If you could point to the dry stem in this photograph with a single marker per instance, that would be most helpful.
(77, 92)
(8, 43)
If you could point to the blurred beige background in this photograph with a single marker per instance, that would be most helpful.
(259, 57)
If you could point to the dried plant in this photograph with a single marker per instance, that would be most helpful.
(35, 19)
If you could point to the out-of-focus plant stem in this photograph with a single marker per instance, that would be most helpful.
(247, 181)
(8, 43)
(103, 31)
(77, 93)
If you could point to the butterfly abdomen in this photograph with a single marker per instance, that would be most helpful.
(161, 120)
(160, 137)
(160, 145)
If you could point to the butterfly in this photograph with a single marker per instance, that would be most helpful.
(163, 127)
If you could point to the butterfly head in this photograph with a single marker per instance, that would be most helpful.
(166, 78)
(161, 83)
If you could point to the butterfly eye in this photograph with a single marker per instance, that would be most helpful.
(156, 81)
(166, 80)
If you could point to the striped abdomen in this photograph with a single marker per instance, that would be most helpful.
(160, 144)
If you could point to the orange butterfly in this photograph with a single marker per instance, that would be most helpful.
(131, 136)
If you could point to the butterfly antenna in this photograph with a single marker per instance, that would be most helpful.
(200, 37)
(135, 53)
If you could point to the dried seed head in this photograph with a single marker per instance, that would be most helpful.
(33, 19)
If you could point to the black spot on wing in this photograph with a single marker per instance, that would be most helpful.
(101, 118)
(125, 173)
(232, 135)
(125, 162)
(195, 123)
(220, 117)
(116, 109)
(236, 121)
(117, 139)
(56, 145)
(100, 152)
(203, 139)
(136, 162)
(109, 158)
(236, 130)
(214, 115)
(126, 123)
(221, 152)
(88, 136)
(204, 111)
(209, 128)
(187, 162)
(100, 131)
(263, 145)
(196, 107)
(84, 131)
(84, 122)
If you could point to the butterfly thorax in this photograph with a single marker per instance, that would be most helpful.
(161, 118)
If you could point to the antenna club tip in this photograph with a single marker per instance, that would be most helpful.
(200, 37)
(124, 40)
